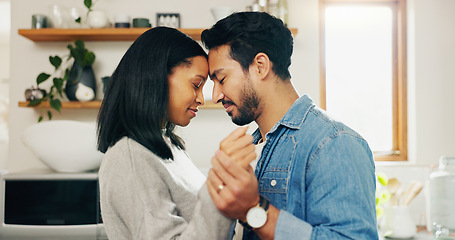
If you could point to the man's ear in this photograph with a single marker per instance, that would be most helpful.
(261, 65)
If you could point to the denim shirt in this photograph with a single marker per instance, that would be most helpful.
(320, 174)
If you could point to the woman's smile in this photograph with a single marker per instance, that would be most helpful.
(193, 111)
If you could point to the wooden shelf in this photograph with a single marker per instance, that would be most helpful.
(103, 34)
(66, 105)
(97, 104)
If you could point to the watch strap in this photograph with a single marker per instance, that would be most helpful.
(264, 203)
(246, 225)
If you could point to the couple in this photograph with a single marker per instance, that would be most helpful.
(314, 178)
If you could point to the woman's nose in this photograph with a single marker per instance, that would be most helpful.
(200, 97)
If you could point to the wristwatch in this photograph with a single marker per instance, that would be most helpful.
(256, 217)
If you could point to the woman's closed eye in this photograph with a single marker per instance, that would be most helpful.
(197, 85)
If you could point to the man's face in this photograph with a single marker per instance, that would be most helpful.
(232, 86)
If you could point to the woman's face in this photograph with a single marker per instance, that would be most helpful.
(185, 90)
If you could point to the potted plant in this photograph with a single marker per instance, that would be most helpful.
(81, 69)
(88, 4)
(382, 194)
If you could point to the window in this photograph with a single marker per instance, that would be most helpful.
(363, 71)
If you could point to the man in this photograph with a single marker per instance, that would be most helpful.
(315, 176)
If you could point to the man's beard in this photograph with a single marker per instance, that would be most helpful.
(248, 106)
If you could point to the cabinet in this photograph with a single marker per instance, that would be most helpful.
(105, 34)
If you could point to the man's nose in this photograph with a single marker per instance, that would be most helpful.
(217, 94)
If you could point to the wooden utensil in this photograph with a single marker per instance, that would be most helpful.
(392, 186)
(417, 187)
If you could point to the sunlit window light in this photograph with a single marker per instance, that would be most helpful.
(358, 47)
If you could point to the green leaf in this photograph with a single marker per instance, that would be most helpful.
(70, 47)
(56, 104)
(55, 61)
(79, 44)
(77, 54)
(382, 178)
(379, 212)
(88, 3)
(89, 59)
(67, 74)
(78, 20)
(41, 78)
(382, 197)
(58, 83)
(40, 118)
(34, 102)
(49, 115)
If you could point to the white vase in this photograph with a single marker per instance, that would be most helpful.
(74, 14)
(97, 19)
(397, 223)
(58, 16)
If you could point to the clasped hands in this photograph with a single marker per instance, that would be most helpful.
(231, 181)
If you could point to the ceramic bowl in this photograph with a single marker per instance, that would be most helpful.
(64, 145)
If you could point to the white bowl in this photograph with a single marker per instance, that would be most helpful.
(221, 12)
(64, 145)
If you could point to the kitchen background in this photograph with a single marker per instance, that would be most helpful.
(431, 77)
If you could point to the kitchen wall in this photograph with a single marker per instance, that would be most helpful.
(431, 80)
(5, 23)
(431, 85)
(205, 132)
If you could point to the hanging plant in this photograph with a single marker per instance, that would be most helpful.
(61, 74)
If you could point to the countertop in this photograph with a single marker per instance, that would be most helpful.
(419, 236)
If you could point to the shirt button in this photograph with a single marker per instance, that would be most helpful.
(273, 183)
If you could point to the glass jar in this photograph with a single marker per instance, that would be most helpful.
(442, 199)
(283, 11)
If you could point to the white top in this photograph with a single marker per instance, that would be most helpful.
(258, 151)
(183, 170)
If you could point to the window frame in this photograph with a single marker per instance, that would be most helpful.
(399, 71)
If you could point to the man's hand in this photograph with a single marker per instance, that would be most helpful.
(240, 186)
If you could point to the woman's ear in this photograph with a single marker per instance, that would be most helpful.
(261, 65)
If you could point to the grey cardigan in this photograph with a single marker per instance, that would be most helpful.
(141, 199)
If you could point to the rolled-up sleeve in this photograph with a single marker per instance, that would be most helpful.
(339, 194)
(289, 226)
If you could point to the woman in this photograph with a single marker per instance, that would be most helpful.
(148, 185)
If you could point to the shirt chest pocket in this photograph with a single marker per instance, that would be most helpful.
(274, 183)
(274, 187)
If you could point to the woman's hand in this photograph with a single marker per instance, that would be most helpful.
(239, 147)
(233, 188)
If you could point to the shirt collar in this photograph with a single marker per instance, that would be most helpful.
(293, 118)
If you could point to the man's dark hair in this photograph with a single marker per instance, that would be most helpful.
(137, 94)
(250, 33)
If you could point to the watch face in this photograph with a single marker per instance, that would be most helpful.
(256, 217)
